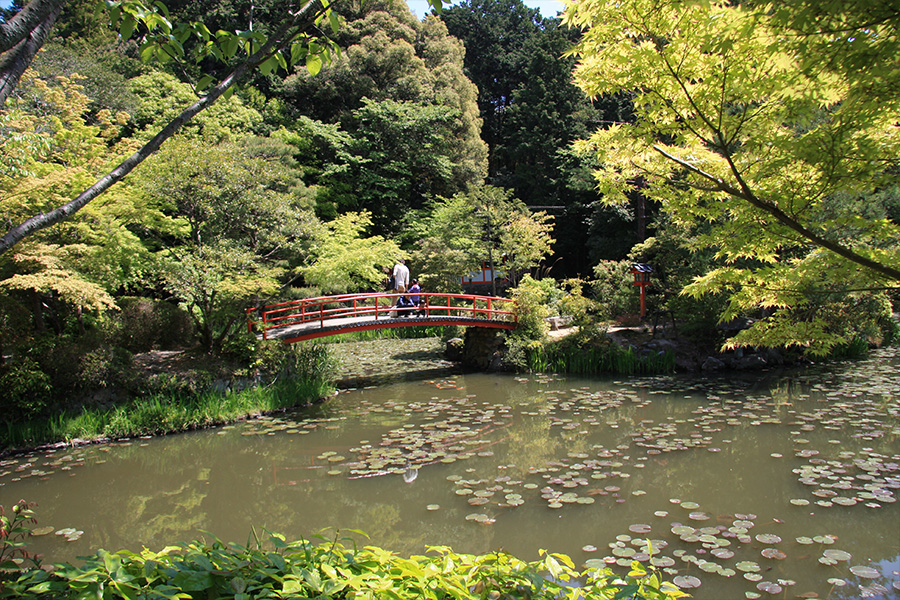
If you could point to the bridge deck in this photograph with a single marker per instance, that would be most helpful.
(332, 315)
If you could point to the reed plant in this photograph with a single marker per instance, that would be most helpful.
(595, 360)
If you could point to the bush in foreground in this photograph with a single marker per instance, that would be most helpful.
(302, 569)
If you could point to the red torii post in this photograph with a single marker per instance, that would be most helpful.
(641, 273)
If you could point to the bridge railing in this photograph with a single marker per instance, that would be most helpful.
(328, 310)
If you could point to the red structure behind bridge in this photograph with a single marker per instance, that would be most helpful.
(311, 318)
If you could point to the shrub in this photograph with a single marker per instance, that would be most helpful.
(14, 530)
(532, 298)
(613, 288)
(104, 367)
(27, 390)
(310, 362)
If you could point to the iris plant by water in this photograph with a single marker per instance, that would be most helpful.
(771, 485)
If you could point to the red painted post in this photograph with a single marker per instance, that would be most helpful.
(265, 322)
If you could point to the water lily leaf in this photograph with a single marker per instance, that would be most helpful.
(686, 582)
(747, 566)
(865, 572)
(769, 587)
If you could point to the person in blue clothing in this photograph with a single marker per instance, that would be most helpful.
(409, 303)
(414, 291)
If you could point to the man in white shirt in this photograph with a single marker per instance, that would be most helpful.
(401, 276)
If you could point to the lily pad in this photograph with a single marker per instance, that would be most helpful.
(686, 582)
(865, 572)
(747, 566)
(768, 538)
(769, 587)
(773, 554)
(835, 554)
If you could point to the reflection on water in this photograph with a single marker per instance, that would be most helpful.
(751, 488)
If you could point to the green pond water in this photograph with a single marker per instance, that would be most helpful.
(764, 485)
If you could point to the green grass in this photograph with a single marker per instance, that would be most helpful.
(159, 413)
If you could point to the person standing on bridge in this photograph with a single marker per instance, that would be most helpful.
(401, 276)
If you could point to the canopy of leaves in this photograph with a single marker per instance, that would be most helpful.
(408, 111)
(231, 227)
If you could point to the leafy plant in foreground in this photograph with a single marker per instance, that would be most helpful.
(14, 530)
(301, 569)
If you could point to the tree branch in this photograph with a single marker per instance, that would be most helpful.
(25, 21)
(747, 195)
(16, 58)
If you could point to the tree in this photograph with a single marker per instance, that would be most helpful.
(407, 114)
(532, 112)
(342, 260)
(296, 37)
(53, 151)
(740, 124)
(397, 156)
(232, 229)
(448, 241)
(486, 224)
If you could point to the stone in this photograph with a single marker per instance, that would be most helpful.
(749, 363)
(712, 364)
(454, 349)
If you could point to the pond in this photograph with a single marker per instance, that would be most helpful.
(777, 485)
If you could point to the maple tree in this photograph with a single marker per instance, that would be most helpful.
(756, 118)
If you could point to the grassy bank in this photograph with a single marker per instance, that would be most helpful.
(298, 375)
(160, 414)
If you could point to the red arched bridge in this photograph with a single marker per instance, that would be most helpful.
(332, 315)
